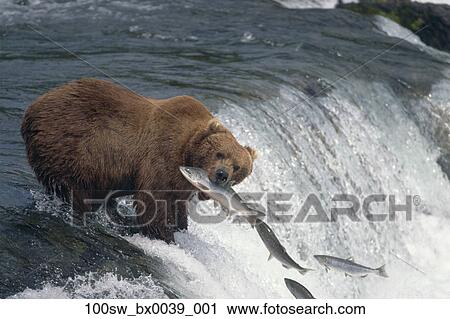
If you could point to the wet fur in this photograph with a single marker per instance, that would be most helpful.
(91, 136)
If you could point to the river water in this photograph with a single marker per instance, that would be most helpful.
(274, 76)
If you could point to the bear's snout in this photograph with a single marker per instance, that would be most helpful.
(221, 176)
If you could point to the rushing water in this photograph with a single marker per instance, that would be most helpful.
(273, 76)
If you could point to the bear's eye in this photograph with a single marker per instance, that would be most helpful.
(220, 156)
(236, 168)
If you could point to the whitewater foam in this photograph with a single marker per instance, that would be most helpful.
(309, 4)
(94, 285)
(329, 4)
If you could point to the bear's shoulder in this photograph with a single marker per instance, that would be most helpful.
(183, 106)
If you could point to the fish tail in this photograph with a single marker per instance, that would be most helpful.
(382, 271)
(304, 270)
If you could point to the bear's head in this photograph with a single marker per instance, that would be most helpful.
(217, 151)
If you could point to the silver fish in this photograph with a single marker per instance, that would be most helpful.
(349, 267)
(276, 250)
(226, 197)
(299, 291)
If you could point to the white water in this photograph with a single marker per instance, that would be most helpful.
(309, 4)
(94, 286)
(395, 30)
(329, 4)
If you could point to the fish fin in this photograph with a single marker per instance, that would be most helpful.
(270, 257)
(350, 258)
(364, 276)
(303, 271)
(382, 271)
(347, 275)
(285, 266)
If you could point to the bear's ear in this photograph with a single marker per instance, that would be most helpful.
(252, 152)
(214, 126)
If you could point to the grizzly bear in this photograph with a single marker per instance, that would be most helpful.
(90, 137)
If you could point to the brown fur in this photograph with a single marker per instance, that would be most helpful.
(92, 135)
